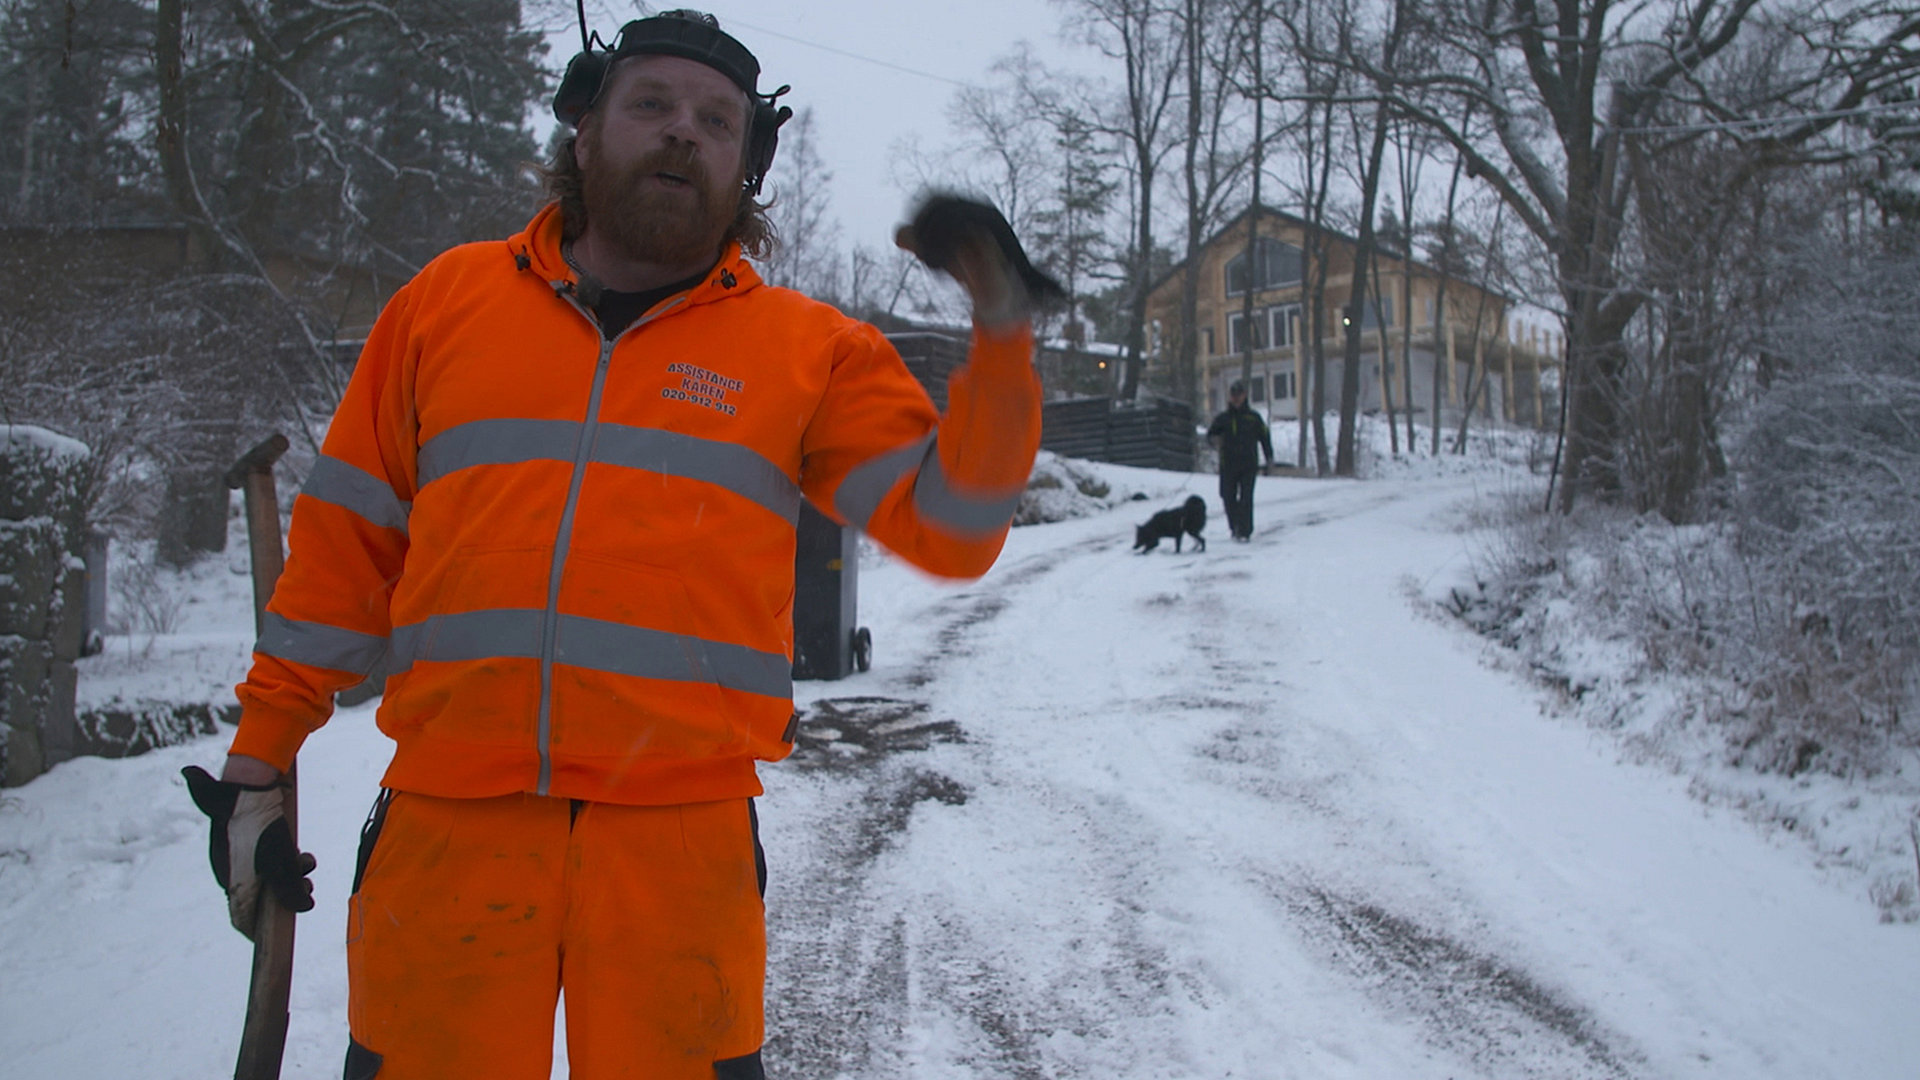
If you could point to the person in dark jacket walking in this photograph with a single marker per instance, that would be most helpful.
(1241, 437)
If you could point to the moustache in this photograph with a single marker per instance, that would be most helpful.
(682, 164)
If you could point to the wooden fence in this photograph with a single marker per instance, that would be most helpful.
(1152, 434)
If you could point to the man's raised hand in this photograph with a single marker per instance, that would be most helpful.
(971, 241)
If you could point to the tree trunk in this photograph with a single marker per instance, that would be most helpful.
(1345, 463)
(1186, 357)
(1596, 364)
(1406, 339)
(170, 126)
(1443, 355)
(1141, 278)
(29, 120)
(1317, 242)
(1254, 277)
(1386, 376)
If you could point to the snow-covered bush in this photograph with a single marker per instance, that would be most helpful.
(1793, 616)
(42, 514)
(1061, 488)
(1828, 510)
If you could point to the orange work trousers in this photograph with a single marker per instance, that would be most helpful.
(472, 915)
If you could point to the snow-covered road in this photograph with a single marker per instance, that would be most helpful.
(1243, 813)
(1248, 813)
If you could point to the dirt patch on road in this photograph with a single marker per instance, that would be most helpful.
(838, 959)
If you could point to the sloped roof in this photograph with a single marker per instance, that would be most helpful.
(1295, 219)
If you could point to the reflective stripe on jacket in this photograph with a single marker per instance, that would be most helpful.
(579, 554)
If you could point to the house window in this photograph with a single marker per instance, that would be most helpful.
(1372, 319)
(1282, 385)
(1277, 263)
(1258, 391)
(1237, 331)
(1272, 327)
(1206, 338)
(1284, 317)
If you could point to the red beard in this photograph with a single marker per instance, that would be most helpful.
(647, 222)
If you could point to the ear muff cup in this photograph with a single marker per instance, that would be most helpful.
(763, 141)
(580, 86)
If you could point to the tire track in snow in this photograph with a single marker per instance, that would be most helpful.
(981, 604)
(1106, 992)
(894, 976)
(837, 987)
(1466, 999)
(838, 973)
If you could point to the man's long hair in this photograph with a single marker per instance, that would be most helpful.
(563, 183)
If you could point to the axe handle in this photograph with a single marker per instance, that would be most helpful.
(263, 539)
(263, 1041)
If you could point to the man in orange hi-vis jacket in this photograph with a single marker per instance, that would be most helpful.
(560, 495)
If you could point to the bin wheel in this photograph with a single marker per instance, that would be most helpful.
(862, 649)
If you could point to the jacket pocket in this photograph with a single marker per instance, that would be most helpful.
(471, 660)
(622, 621)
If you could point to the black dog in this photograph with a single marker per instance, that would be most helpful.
(1176, 524)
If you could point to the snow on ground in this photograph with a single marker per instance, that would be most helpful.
(1252, 812)
(180, 637)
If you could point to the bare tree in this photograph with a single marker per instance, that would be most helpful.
(1070, 225)
(887, 284)
(1445, 257)
(1317, 83)
(1357, 304)
(1144, 38)
(1825, 510)
(1257, 90)
(1593, 71)
(808, 257)
(1005, 127)
(1411, 146)
(1709, 201)
(1213, 159)
(1026, 142)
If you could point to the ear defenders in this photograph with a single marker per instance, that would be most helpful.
(692, 37)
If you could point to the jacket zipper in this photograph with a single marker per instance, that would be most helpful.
(582, 452)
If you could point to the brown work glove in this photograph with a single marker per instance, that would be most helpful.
(971, 242)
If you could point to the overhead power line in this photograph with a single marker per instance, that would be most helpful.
(902, 68)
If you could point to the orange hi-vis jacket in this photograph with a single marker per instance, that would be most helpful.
(578, 554)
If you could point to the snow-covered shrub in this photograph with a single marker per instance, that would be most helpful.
(1061, 488)
(1605, 599)
(146, 596)
(1828, 510)
(43, 476)
(1792, 618)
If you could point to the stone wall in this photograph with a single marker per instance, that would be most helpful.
(42, 597)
